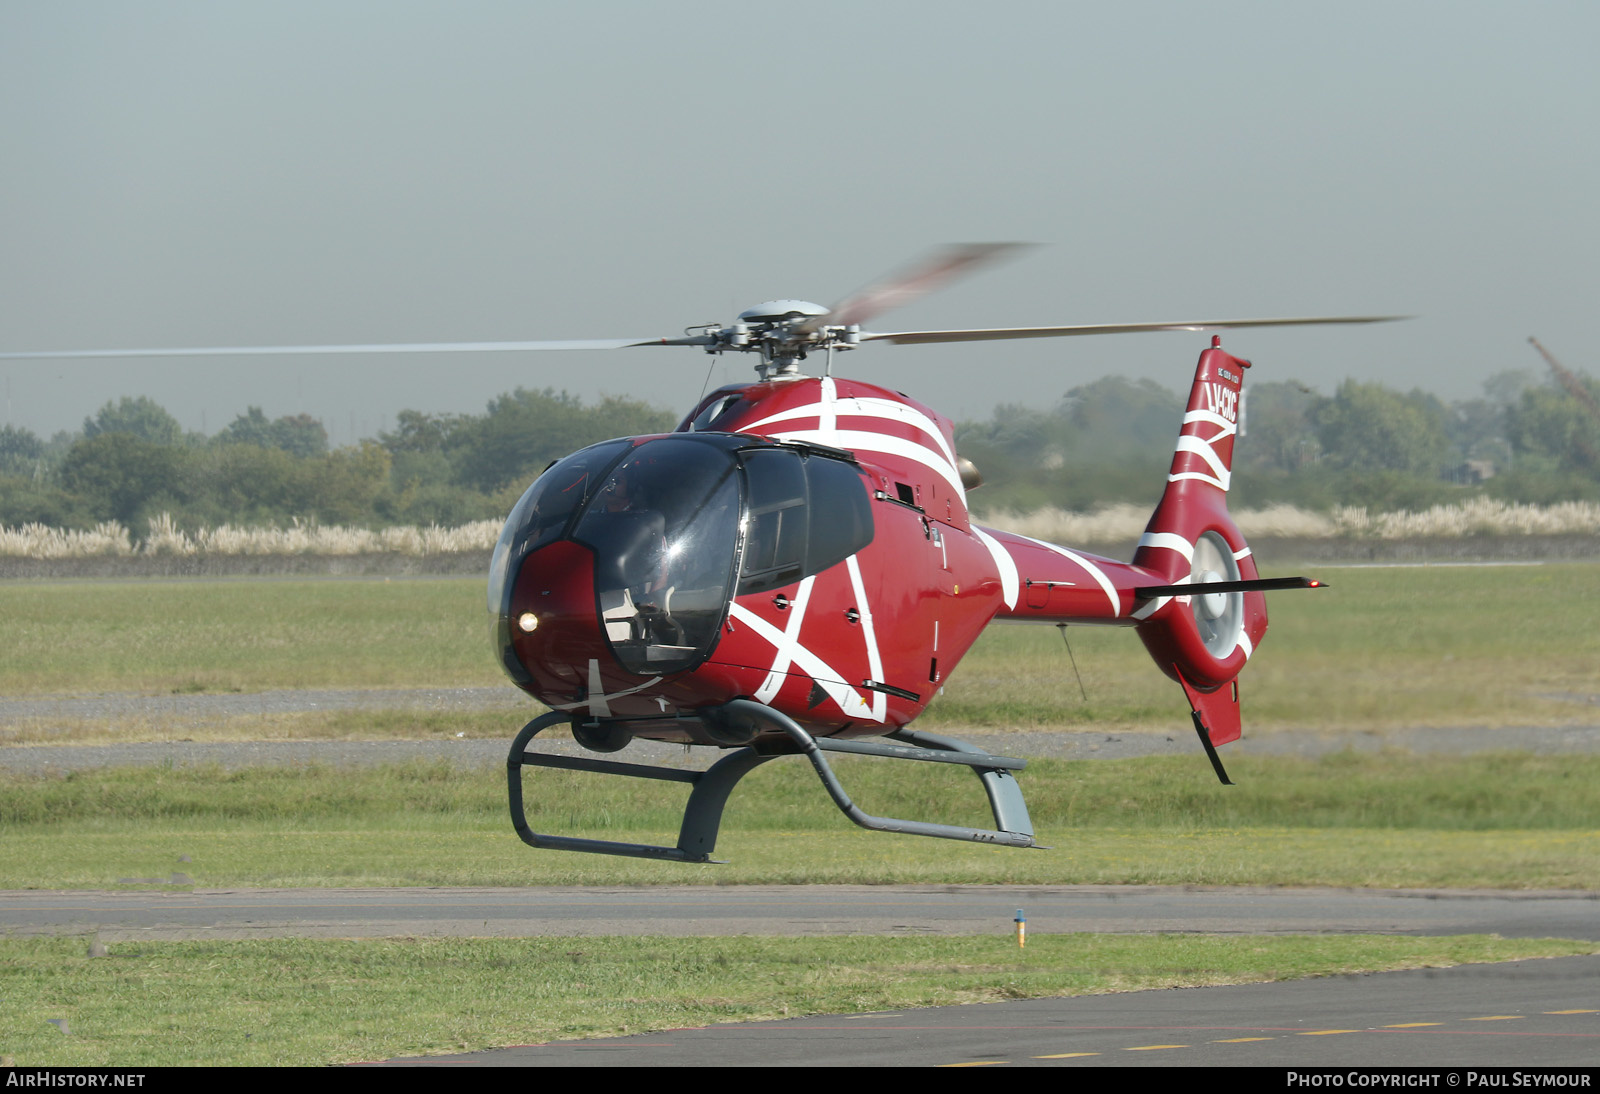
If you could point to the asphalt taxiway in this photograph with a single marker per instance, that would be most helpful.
(1544, 1013)
(1519, 1014)
(794, 910)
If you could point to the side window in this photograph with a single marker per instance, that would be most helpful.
(775, 532)
(841, 513)
(806, 513)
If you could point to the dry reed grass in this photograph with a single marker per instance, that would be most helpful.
(40, 541)
(300, 538)
(1112, 524)
(1476, 517)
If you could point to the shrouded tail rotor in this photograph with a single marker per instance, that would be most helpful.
(1218, 615)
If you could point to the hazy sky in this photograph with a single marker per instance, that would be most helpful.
(219, 173)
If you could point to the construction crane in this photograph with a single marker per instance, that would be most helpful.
(1579, 391)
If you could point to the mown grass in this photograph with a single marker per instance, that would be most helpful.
(163, 637)
(318, 1001)
(1435, 646)
(357, 724)
(1494, 646)
(1438, 646)
(1507, 821)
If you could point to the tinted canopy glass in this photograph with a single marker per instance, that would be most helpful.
(806, 512)
(664, 528)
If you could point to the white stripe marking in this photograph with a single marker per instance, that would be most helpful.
(880, 701)
(791, 641)
(863, 441)
(1228, 428)
(1090, 568)
(1010, 583)
(1203, 449)
(809, 663)
(1218, 483)
(1171, 541)
(829, 407)
(1149, 609)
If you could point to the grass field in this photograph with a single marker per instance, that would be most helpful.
(310, 1002)
(1402, 646)
(242, 635)
(1442, 646)
(1508, 821)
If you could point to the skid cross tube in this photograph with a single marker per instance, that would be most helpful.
(702, 816)
(697, 837)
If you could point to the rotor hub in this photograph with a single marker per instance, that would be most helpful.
(783, 332)
(1219, 617)
(1211, 605)
(776, 311)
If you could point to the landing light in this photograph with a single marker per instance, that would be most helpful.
(528, 622)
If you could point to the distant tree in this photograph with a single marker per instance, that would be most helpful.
(418, 432)
(299, 435)
(251, 427)
(21, 451)
(121, 476)
(24, 501)
(1118, 415)
(523, 431)
(1553, 427)
(1369, 427)
(1103, 442)
(343, 487)
(1277, 432)
(1505, 389)
(142, 417)
(421, 473)
(1476, 429)
(250, 484)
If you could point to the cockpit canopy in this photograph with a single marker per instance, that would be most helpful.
(678, 525)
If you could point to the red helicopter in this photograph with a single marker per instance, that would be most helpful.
(794, 570)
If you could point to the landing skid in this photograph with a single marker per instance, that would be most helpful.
(702, 816)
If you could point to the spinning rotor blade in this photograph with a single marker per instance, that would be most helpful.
(925, 337)
(903, 288)
(406, 347)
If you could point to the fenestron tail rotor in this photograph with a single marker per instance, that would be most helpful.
(782, 332)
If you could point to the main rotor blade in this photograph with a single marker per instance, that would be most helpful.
(922, 337)
(405, 347)
(919, 280)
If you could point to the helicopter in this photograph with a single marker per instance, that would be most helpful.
(794, 569)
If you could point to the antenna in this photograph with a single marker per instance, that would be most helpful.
(1062, 627)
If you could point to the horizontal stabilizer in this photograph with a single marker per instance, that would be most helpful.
(1256, 585)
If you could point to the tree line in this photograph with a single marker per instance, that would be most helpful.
(1525, 439)
(132, 461)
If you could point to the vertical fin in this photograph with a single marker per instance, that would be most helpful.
(1216, 718)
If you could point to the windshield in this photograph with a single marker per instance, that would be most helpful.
(664, 528)
(539, 518)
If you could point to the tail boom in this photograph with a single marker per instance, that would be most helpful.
(1045, 583)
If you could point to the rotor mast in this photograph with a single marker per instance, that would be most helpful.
(783, 332)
